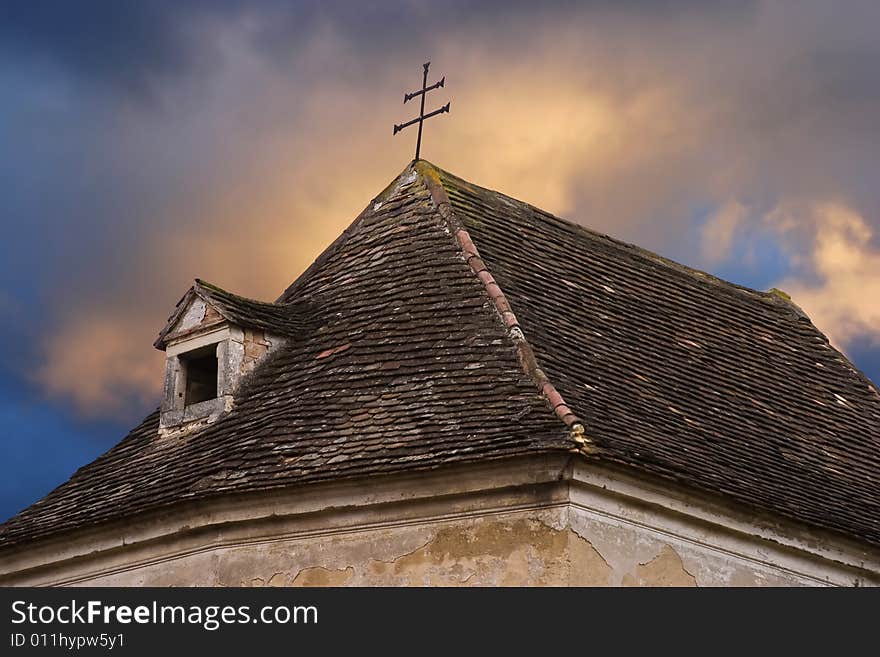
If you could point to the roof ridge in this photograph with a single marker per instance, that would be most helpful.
(212, 288)
(430, 176)
(236, 309)
(770, 296)
(774, 297)
(343, 237)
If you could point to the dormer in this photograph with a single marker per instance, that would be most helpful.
(212, 341)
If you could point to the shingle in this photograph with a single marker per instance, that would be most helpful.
(679, 374)
(399, 358)
(408, 368)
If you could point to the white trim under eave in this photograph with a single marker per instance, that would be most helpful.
(466, 490)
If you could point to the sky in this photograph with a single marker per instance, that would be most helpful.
(149, 143)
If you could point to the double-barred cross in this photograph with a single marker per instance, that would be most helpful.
(420, 119)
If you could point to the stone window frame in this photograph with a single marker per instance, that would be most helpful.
(174, 413)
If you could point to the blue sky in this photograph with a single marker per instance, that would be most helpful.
(146, 144)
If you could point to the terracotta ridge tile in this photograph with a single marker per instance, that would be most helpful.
(526, 354)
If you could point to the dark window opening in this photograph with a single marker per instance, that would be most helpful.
(200, 368)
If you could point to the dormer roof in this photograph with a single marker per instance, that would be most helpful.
(285, 319)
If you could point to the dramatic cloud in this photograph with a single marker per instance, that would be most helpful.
(233, 141)
(719, 231)
(842, 291)
(101, 363)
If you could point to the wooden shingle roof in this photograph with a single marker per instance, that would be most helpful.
(457, 324)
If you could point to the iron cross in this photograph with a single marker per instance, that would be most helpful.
(420, 119)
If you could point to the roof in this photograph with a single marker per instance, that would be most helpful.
(460, 325)
(285, 319)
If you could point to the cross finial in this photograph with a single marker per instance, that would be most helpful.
(420, 119)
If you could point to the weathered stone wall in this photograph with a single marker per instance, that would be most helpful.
(516, 550)
(519, 549)
(256, 345)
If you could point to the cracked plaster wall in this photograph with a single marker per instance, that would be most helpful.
(551, 547)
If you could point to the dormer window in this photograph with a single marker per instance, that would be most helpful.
(212, 341)
(200, 373)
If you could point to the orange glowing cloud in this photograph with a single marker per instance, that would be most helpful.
(844, 301)
(622, 123)
(99, 361)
